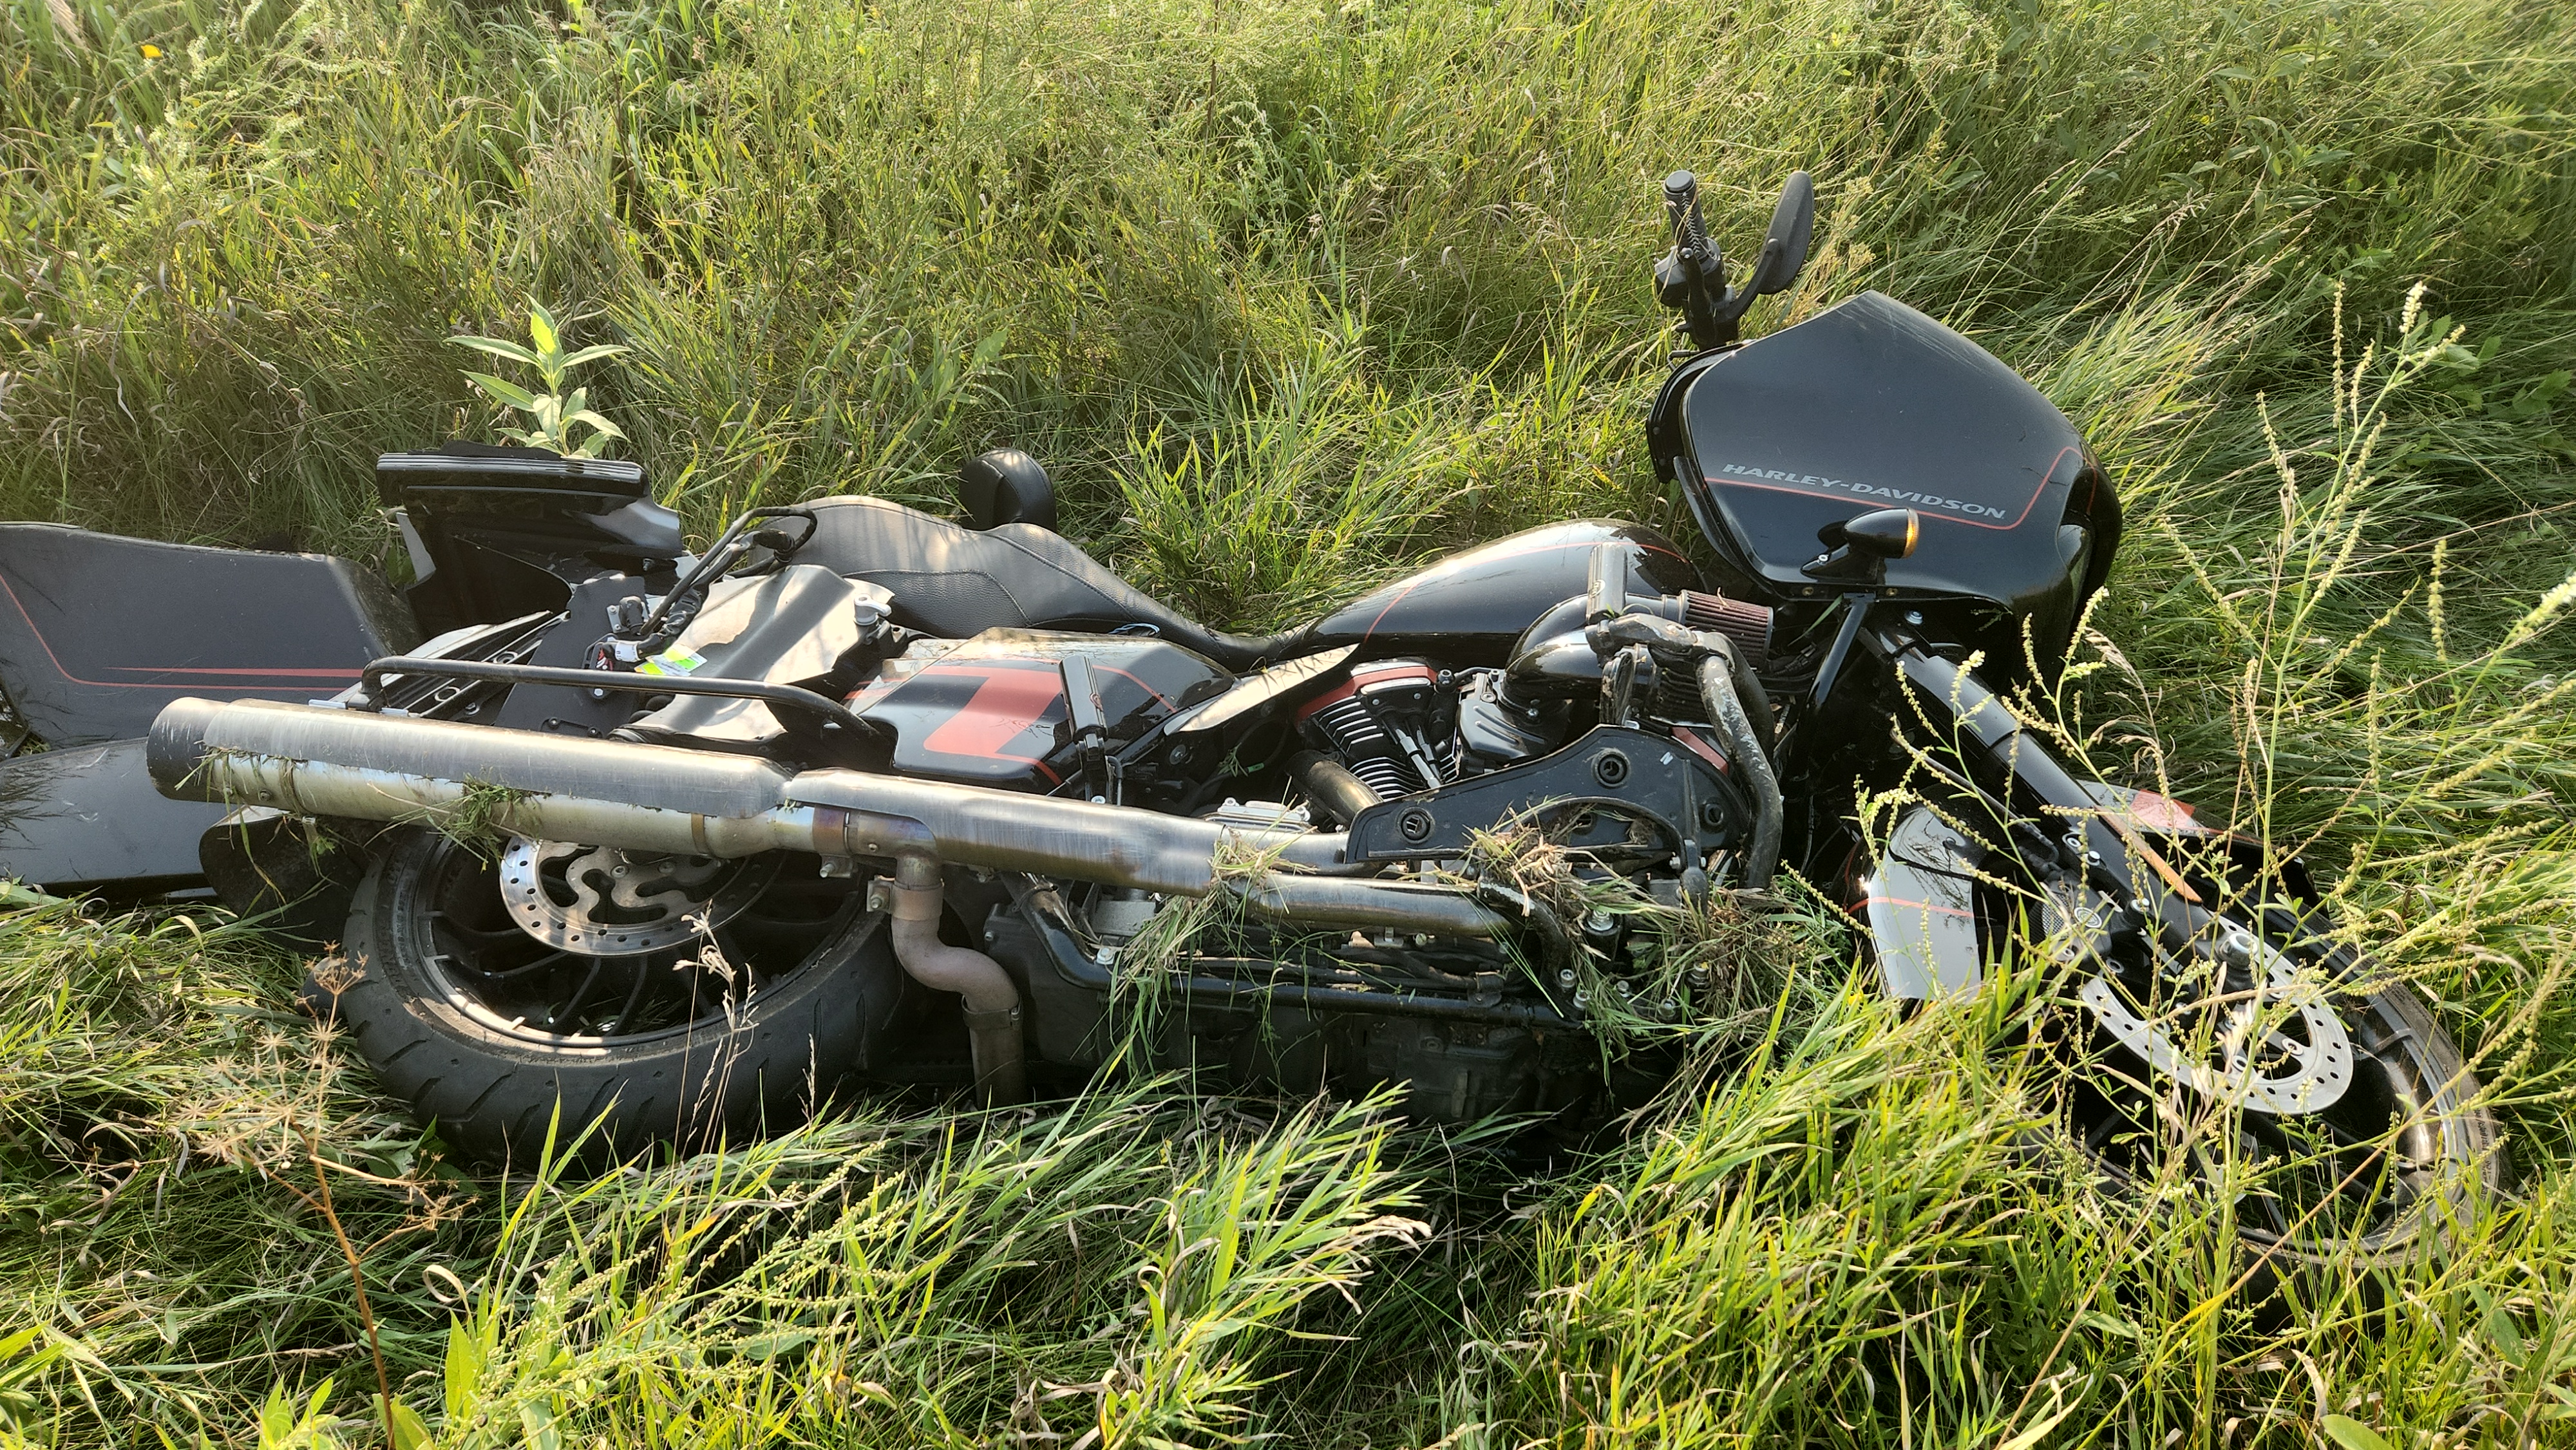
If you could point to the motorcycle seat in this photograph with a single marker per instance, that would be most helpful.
(955, 582)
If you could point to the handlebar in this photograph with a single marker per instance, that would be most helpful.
(1681, 204)
(1693, 276)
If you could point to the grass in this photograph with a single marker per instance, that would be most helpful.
(1290, 296)
(475, 821)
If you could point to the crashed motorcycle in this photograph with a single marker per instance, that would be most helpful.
(683, 843)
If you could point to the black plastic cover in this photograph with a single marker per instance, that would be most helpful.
(1870, 405)
(89, 817)
(991, 711)
(98, 632)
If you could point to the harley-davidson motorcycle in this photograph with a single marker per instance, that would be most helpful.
(682, 843)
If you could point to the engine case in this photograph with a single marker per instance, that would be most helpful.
(1452, 1071)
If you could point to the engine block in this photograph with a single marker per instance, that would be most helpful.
(1393, 722)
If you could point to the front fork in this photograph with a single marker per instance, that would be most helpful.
(2070, 834)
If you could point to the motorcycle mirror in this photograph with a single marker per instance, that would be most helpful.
(1784, 249)
(1880, 533)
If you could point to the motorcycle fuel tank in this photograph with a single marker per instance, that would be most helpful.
(1871, 405)
(1470, 608)
(992, 710)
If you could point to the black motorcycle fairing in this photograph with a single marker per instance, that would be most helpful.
(1471, 608)
(1870, 404)
(98, 632)
(957, 582)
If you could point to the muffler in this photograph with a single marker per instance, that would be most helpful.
(321, 761)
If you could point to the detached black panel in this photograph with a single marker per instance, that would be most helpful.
(97, 632)
(90, 817)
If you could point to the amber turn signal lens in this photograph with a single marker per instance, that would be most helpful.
(1881, 533)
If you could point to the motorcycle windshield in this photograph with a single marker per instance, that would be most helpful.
(1869, 405)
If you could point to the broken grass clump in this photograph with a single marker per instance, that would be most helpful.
(1735, 951)
(1703, 970)
(477, 820)
(1181, 930)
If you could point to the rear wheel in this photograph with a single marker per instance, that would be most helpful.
(741, 993)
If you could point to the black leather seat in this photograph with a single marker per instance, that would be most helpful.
(955, 581)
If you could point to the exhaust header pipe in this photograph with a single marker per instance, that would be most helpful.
(319, 761)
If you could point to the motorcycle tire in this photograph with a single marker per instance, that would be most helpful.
(421, 1008)
(2370, 1182)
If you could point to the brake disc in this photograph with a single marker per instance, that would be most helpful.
(602, 902)
(2277, 1046)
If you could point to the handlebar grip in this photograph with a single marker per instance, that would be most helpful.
(1681, 200)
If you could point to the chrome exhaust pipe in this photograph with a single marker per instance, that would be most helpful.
(326, 762)
(991, 1000)
(319, 761)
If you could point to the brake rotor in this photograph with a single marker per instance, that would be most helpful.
(2275, 1046)
(603, 902)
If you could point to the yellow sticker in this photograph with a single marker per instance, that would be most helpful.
(677, 662)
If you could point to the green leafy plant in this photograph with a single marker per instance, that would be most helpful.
(553, 415)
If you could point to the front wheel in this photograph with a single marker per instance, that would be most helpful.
(740, 993)
(2292, 1086)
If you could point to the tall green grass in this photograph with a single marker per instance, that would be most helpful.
(1288, 296)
